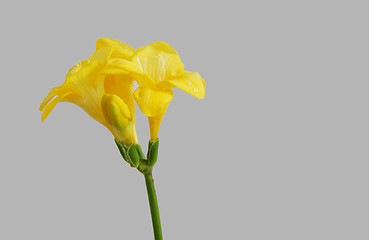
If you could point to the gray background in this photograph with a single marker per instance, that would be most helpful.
(278, 149)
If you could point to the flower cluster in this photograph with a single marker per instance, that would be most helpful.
(103, 86)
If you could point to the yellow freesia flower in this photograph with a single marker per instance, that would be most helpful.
(157, 69)
(105, 96)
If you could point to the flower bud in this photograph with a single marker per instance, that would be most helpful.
(152, 153)
(131, 153)
(118, 115)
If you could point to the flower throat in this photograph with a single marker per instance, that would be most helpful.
(156, 69)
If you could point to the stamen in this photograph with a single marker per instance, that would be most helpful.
(155, 68)
(139, 63)
(160, 67)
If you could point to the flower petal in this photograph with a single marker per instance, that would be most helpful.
(121, 49)
(49, 106)
(83, 77)
(102, 54)
(191, 83)
(65, 95)
(122, 66)
(153, 102)
(154, 123)
(83, 87)
(156, 54)
(47, 99)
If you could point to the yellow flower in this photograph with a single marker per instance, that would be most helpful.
(157, 69)
(106, 96)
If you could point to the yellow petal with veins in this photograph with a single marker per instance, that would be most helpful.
(158, 60)
(50, 95)
(51, 105)
(122, 50)
(83, 76)
(123, 66)
(191, 83)
(152, 102)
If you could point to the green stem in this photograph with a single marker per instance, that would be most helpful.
(153, 206)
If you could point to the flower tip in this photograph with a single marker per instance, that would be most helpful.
(103, 42)
(43, 116)
(45, 102)
(162, 46)
(202, 96)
